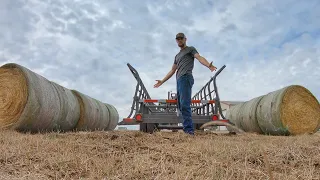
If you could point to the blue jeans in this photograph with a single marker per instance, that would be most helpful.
(184, 89)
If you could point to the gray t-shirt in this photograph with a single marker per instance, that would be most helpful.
(185, 61)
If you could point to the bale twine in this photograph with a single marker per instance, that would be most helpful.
(33, 103)
(94, 115)
(291, 110)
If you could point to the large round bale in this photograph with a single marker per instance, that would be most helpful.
(247, 115)
(95, 115)
(291, 110)
(233, 115)
(113, 117)
(30, 102)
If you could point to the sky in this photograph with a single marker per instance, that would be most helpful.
(86, 45)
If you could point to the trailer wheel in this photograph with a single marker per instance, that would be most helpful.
(148, 127)
(151, 127)
(143, 127)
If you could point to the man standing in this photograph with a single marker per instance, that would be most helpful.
(183, 64)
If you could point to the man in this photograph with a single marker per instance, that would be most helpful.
(183, 64)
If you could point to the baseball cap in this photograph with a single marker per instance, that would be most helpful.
(180, 35)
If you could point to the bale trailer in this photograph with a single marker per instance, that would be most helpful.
(157, 114)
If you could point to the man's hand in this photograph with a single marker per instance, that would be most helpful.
(212, 67)
(159, 83)
(204, 62)
(168, 76)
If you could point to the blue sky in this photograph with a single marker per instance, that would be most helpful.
(85, 45)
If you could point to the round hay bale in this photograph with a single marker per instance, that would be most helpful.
(291, 110)
(94, 115)
(30, 102)
(13, 96)
(113, 116)
(233, 114)
(247, 116)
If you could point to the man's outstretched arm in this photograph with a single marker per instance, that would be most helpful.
(204, 62)
(168, 76)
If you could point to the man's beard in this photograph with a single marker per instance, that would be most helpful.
(182, 45)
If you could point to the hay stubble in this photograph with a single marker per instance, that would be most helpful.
(163, 155)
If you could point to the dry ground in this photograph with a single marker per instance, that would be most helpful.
(163, 155)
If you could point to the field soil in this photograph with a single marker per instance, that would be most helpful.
(162, 155)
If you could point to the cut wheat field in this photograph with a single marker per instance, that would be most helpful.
(162, 155)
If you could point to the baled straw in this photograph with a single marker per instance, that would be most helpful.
(33, 103)
(300, 110)
(13, 96)
(94, 114)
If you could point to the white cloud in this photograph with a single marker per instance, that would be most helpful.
(85, 45)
